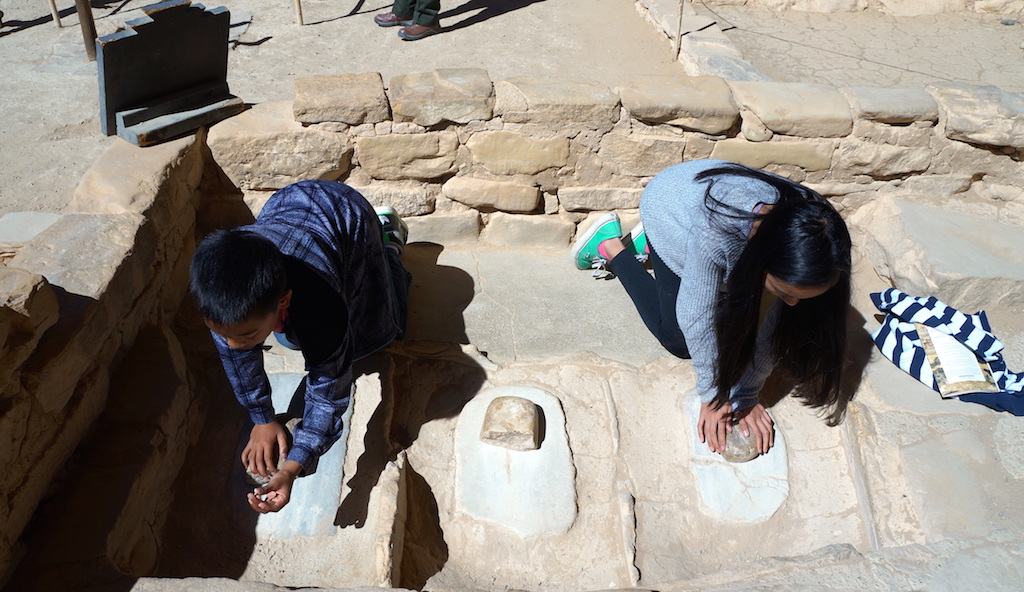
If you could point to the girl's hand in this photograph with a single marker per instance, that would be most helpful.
(714, 424)
(756, 419)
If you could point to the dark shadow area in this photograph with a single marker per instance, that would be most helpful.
(425, 377)
(488, 10)
(424, 551)
(859, 347)
(16, 26)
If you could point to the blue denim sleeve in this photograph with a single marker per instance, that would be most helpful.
(328, 394)
(244, 369)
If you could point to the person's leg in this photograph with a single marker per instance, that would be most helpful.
(401, 279)
(426, 13)
(654, 297)
(404, 8)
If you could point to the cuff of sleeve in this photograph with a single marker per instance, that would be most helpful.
(261, 416)
(707, 396)
(743, 398)
(301, 456)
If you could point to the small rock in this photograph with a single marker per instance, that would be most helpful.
(513, 423)
(1009, 21)
(739, 448)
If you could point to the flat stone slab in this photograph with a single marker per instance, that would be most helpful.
(347, 98)
(967, 261)
(315, 497)
(746, 493)
(530, 492)
(981, 114)
(891, 105)
(701, 103)
(522, 305)
(447, 94)
(796, 109)
(17, 228)
(528, 99)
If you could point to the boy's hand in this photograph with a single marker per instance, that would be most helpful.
(714, 424)
(259, 455)
(275, 495)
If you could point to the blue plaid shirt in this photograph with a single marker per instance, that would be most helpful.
(332, 229)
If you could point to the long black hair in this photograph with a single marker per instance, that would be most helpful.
(803, 241)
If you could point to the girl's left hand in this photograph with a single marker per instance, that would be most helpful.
(756, 419)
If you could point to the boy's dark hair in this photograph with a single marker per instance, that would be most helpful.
(235, 274)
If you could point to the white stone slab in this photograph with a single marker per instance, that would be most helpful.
(747, 493)
(20, 227)
(315, 497)
(530, 492)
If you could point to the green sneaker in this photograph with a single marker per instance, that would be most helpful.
(637, 243)
(396, 233)
(585, 252)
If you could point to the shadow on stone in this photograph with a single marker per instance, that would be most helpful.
(424, 551)
(421, 382)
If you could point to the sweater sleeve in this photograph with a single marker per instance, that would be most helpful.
(744, 393)
(695, 312)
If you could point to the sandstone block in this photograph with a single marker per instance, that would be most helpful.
(936, 185)
(510, 230)
(700, 103)
(347, 98)
(809, 155)
(449, 94)
(445, 229)
(265, 148)
(127, 178)
(968, 262)
(492, 195)
(28, 307)
(881, 161)
(981, 114)
(641, 155)
(559, 101)
(585, 199)
(513, 423)
(891, 105)
(408, 200)
(510, 153)
(796, 109)
(408, 156)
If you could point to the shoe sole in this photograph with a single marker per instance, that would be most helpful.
(418, 37)
(589, 234)
(394, 24)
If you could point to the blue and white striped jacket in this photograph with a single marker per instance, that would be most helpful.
(898, 340)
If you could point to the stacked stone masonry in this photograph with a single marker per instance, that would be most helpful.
(516, 162)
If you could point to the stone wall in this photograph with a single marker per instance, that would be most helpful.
(513, 163)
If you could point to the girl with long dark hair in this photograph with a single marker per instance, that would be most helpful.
(751, 271)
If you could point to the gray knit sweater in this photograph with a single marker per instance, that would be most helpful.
(701, 247)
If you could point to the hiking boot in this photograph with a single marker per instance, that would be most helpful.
(414, 32)
(586, 253)
(396, 232)
(390, 19)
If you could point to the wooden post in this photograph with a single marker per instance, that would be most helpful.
(679, 29)
(298, 12)
(88, 27)
(55, 13)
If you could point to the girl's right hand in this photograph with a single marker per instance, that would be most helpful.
(714, 424)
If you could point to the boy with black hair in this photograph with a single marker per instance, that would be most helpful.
(321, 269)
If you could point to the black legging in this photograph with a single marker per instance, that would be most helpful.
(654, 298)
